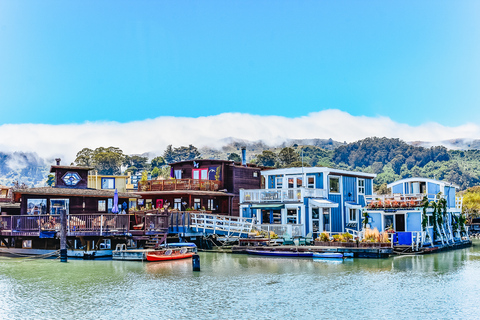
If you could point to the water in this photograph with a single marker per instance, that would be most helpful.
(444, 285)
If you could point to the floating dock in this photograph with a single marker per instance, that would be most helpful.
(352, 252)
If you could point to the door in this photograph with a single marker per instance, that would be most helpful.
(326, 220)
(400, 222)
(316, 222)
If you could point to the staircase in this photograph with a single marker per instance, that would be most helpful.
(154, 241)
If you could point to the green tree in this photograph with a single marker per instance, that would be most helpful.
(266, 158)
(51, 180)
(155, 172)
(169, 155)
(108, 160)
(234, 157)
(157, 162)
(84, 157)
(287, 156)
(136, 161)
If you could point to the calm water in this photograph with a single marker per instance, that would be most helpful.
(443, 285)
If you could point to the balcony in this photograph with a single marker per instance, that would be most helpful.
(405, 201)
(280, 195)
(179, 184)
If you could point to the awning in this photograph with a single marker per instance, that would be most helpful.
(323, 203)
(267, 206)
(353, 205)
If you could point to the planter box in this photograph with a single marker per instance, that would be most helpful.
(374, 245)
(335, 244)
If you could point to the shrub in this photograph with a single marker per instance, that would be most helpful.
(324, 237)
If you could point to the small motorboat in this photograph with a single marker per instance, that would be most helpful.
(169, 254)
(280, 253)
(330, 255)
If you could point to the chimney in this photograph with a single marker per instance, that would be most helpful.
(244, 156)
(58, 161)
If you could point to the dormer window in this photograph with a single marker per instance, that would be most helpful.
(71, 178)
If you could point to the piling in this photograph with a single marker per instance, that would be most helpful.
(63, 236)
(196, 262)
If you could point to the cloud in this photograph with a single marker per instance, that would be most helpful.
(153, 135)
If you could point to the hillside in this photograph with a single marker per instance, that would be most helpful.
(390, 159)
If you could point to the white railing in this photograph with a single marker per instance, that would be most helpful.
(293, 230)
(280, 195)
(220, 224)
(417, 239)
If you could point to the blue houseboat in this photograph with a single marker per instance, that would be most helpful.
(303, 201)
(419, 212)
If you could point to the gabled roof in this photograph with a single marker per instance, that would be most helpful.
(420, 179)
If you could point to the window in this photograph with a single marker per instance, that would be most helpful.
(37, 206)
(361, 186)
(200, 174)
(299, 182)
(279, 182)
(334, 183)
(110, 205)
(102, 205)
(353, 215)
(57, 206)
(178, 174)
(311, 182)
(388, 222)
(292, 216)
(71, 178)
(196, 204)
(108, 183)
(210, 204)
(290, 183)
(177, 203)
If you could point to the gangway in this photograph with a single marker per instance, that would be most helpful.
(221, 225)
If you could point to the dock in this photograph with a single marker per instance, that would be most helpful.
(353, 252)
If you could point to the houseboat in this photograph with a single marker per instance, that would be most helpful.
(419, 213)
(299, 201)
(211, 185)
(97, 219)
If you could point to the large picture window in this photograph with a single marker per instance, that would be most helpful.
(57, 206)
(37, 206)
(334, 184)
(108, 183)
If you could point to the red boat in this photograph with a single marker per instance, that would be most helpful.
(169, 254)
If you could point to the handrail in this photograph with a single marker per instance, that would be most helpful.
(220, 223)
(280, 195)
(179, 184)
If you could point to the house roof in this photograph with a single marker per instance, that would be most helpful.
(306, 170)
(186, 192)
(54, 168)
(71, 192)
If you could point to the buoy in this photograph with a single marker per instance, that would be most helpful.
(196, 262)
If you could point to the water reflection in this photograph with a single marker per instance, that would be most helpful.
(244, 287)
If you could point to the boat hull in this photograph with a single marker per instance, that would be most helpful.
(280, 253)
(329, 255)
(163, 257)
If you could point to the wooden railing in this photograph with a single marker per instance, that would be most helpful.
(179, 184)
(78, 224)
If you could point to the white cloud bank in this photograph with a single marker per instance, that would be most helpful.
(153, 135)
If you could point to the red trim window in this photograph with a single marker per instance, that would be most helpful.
(200, 174)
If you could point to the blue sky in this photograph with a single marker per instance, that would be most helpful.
(78, 61)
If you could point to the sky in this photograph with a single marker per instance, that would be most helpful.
(143, 74)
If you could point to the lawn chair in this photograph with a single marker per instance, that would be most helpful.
(287, 240)
(305, 241)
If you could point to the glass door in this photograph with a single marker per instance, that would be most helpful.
(315, 222)
(326, 220)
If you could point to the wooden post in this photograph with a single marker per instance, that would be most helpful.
(196, 262)
(63, 235)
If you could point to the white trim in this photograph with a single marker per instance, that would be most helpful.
(322, 203)
(339, 185)
(298, 170)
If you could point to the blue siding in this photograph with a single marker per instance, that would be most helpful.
(407, 189)
(433, 188)
(349, 193)
(336, 213)
(397, 188)
(246, 213)
(368, 187)
(414, 221)
(271, 182)
(318, 179)
(375, 220)
(450, 196)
